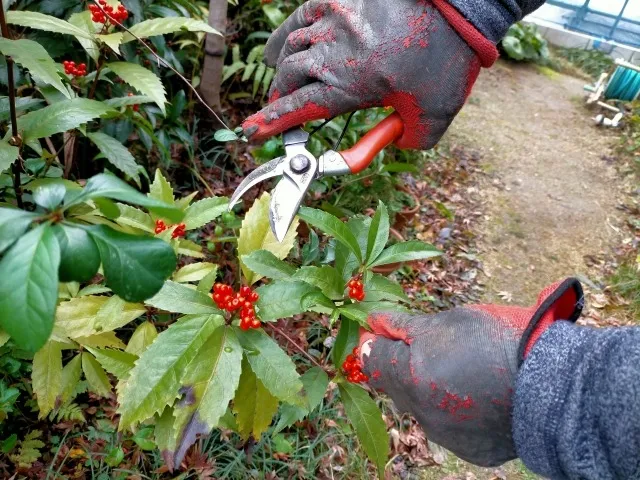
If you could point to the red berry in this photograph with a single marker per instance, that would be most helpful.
(136, 108)
(102, 2)
(160, 226)
(255, 323)
(350, 358)
(254, 297)
(247, 305)
(245, 291)
(245, 325)
(217, 297)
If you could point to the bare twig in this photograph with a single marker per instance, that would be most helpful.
(295, 344)
(15, 138)
(163, 62)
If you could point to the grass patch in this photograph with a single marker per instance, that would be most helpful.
(626, 282)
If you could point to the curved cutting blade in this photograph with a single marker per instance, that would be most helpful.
(263, 172)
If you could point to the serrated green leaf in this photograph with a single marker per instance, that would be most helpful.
(49, 196)
(95, 375)
(282, 299)
(208, 386)
(206, 284)
(326, 278)
(162, 26)
(194, 272)
(32, 56)
(76, 317)
(22, 104)
(119, 102)
(29, 288)
(135, 267)
(314, 381)
(60, 117)
(265, 263)
(46, 376)
(69, 380)
(348, 338)
(115, 362)
(332, 226)
(79, 256)
(155, 380)
(101, 340)
(166, 436)
(178, 298)
(190, 249)
(225, 135)
(116, 153)
(406, 252)
(256, 234)
(253, 405)
(143, 80)
(107, 207)
(381, 288)
(40, 21)
(272, 365)
(204, 211)
(8, 155)
(116, 313)
(367, 421)
(13, 223)
(111, 40)
(184, 202)
(133, 217)
(142, 337)
(378, 233)
(82, 20)
(161, 189)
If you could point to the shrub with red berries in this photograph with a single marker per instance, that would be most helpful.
(352, 366)
(356, 288)
(242, 301)
(118, 14)
(70, 68)
(179, 231)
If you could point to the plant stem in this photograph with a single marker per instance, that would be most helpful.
(15, 139)
(94, 85)
(295, 344)
(166, 64)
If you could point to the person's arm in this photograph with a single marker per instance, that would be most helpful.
(577, 404)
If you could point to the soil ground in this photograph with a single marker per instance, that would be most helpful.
(550, 194)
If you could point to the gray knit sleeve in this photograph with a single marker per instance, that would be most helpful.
(577, 404)
(494, 17)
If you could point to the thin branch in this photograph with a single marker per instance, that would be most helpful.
(163, 62)
(295, 344)
(95, 80)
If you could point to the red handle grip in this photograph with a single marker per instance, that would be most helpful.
(382, 135)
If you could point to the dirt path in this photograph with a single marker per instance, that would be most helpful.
(551, 195)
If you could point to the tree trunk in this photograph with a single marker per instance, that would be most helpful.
(214, 54)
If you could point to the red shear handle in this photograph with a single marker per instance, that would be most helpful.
(382, 135)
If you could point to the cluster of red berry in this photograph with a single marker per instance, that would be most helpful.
(243, 300)
(356, 288)
(179, 231)
(353, 368)
(134, 107)
(119, 14)
(70, 68)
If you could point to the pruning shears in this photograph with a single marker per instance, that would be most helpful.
(299, 168)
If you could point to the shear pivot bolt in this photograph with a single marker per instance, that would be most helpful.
(300, 164)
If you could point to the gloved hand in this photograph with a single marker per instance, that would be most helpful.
(338, 56)
(455, 371)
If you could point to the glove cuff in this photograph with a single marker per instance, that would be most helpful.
(485, 49)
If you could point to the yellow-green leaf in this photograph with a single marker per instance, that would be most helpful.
(111, 40)
(143, 80)
(46, 376)
(194, 272)
(114, 361)
(166, 436)
(161, 189)
(204, 211)
(4, 337)
(142, 337)
(70, 377)
(83, 21)
(133, 217)
(101, 340)
(76, 317)
(256, 234)
(190, 249)
(95, 375)
(116, 313)
(48, 23)
(162, 26)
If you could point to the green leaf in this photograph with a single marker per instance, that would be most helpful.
(142, 80)
(142, 337)
(406, 252)
(271, 365)
(346, 261)
(367, 421)
(378, 233)
(381, 288)
(49, 196)
(40, 21)
(166, 436)
(101, 340)
(208, 386)
(326, 278)
(360, 311)
(135, 267)
(204, 211)
(13, 223)
(116, 313)
(161, 189)
(108, 186)
(256, 234)
(107, 207)
(4, 337)
(116, 153)
(190, 249)
(265, 263)
(8, 155)
(69, 381)
(82, 20)
(119, 102)
(79, 256)
(111, 40)
(46, 376)
(179, 298)
(162, 26)
(315, 382)
(348, 337)
(155, 380)
(29, 288)
(225, 136)
(32, 56)
(253, 405)
(95, 375)
(115, 362)
(132, 217)
(282, 299)
(76, 317)
(195, 272)
(332, 226)
(60, 117)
